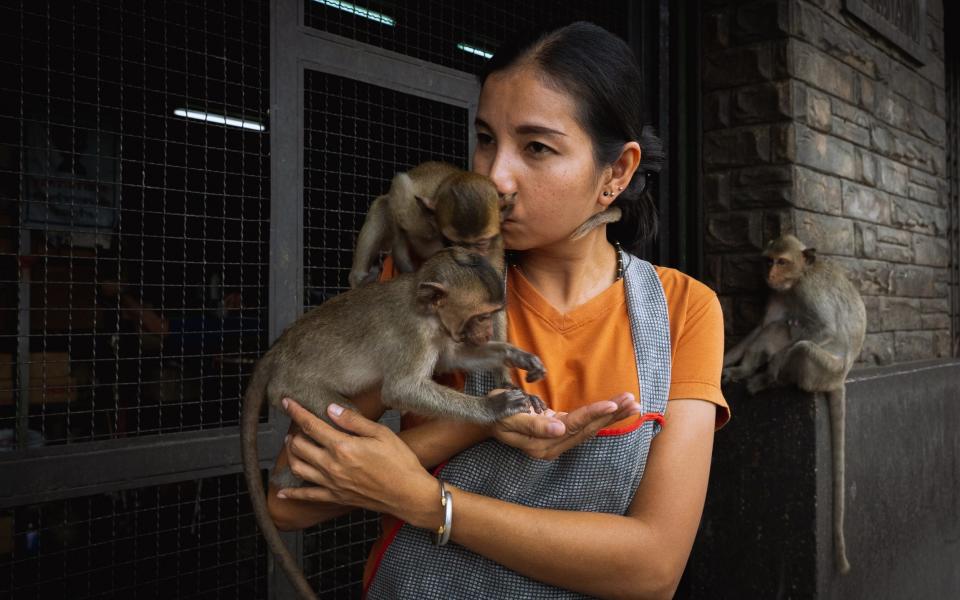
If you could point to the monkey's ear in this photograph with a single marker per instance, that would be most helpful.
(507, 202)
(810, 255)
(427, 204)
(430, 294)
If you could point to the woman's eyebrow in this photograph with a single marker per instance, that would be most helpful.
(525, 129)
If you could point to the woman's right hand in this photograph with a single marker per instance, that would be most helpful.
(548, 435)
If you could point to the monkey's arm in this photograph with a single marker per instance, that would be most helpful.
(490, 356)
(735, 354)
(374, 237)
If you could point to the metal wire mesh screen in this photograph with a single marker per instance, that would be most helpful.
(134, 200)
(455, 34)
(356, 137)
(181, 540)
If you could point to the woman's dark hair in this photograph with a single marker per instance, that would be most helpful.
(599, 71)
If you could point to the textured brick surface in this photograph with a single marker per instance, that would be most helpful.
(813, 125)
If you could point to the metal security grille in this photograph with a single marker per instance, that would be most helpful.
(356, 137)
(134, 220)
(137, 167)
(181, 540)
(334, 555)
(135, 262)
(454, 34)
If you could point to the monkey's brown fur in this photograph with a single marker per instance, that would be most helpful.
(401, 222)
(392, 336)
(432, 205)
(810, 336)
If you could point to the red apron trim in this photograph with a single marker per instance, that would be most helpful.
(387, 540)
(633, 426)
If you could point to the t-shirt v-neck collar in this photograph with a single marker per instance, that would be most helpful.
(600, 305)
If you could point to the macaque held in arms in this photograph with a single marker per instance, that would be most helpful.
(811, 334)
(393, 337)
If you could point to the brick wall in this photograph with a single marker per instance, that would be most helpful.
(817, 126)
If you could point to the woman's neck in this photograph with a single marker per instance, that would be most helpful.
(570, 273)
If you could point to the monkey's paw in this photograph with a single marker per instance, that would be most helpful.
(358, 278)
(536, 403)
(286, 479)
(528, 362)
(508, 402)
(758, 383)
(729, 375)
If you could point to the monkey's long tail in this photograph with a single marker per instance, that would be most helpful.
(249, 424)
(836, 400)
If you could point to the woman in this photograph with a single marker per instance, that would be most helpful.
(593, 497)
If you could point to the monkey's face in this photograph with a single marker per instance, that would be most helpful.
(479, 329)
(782, 272)
(469, 325)
(481, 244)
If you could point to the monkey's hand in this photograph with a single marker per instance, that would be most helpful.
(358, 278)
(528, 362)
(731, 374)
(505, 403)
(536, 403)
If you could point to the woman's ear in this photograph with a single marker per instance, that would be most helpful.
(618, 174)
(626, 165)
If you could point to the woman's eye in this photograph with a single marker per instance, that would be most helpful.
(484, 138)
(538, 148)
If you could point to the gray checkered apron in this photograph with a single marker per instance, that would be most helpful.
(600, 475)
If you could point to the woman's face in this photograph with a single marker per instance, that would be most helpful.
(529, 143)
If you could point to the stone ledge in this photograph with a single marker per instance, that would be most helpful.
(766, 530)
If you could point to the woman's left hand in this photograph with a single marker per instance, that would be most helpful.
(371, 469)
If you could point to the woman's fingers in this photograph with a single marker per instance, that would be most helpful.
(583, 418)
(312, 425)
(305, 457)
(533, 425)
(310, 493)
(540, 436)
(354, 422)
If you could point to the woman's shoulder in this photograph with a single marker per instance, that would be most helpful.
(681, 288)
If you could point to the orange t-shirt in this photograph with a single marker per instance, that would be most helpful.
(588, 352)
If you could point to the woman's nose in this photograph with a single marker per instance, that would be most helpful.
(502, 173)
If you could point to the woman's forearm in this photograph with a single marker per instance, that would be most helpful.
(641, 555)
(432, 442)
(598, 554)
(435, 442)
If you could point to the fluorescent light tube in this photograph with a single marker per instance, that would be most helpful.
(474, 50)
(219, 119)
(353, 9)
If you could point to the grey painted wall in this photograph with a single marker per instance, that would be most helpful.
(766, 531)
